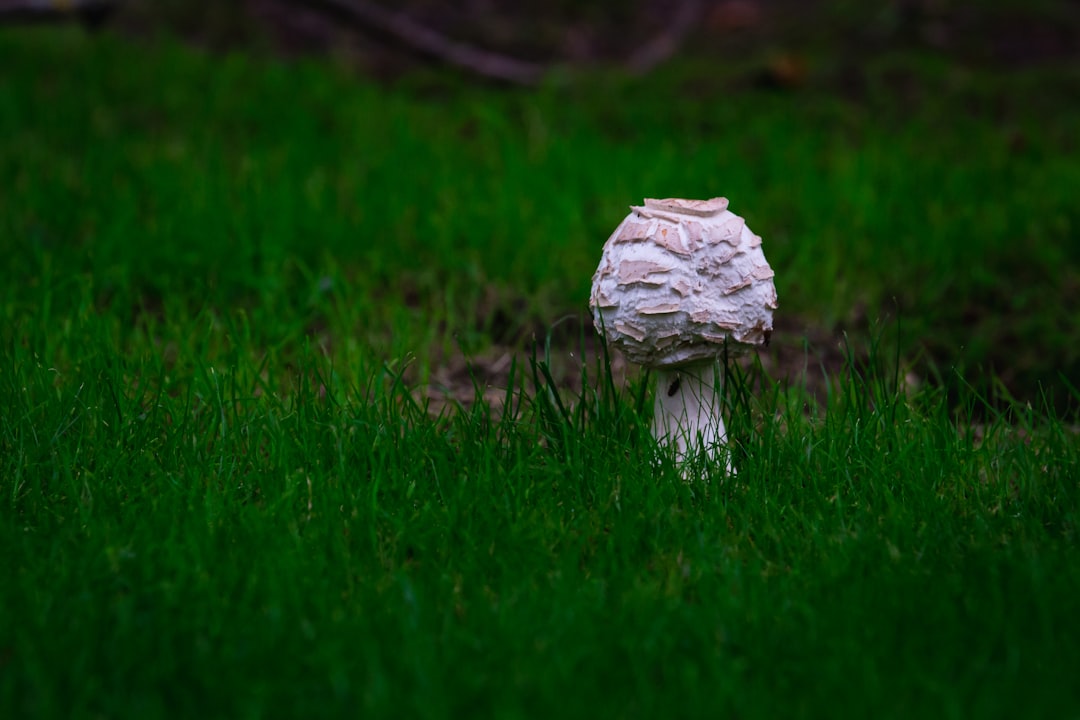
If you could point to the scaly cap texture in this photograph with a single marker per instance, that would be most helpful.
(679, 278)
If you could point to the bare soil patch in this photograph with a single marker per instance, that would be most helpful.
(799, 354)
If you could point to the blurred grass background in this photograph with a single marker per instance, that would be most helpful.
(942, 196)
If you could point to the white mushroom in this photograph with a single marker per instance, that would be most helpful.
(680, 281)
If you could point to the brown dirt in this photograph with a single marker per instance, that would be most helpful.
(990, 33)
(799, 355)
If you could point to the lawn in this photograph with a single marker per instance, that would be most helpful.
(231, 290)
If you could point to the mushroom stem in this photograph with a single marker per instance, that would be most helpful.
(687, 411)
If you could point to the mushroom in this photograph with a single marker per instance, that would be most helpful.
(679, 283)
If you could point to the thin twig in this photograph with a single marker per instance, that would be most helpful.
(424, 39)
(683, 20)
(57, 7)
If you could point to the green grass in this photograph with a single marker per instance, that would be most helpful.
(221, 495)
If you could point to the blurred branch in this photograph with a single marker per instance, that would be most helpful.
(686, 15)
(92, 12)
(50, 7)
(426, 40)
(684, 19)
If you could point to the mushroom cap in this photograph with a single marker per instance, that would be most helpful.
(681, 279)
